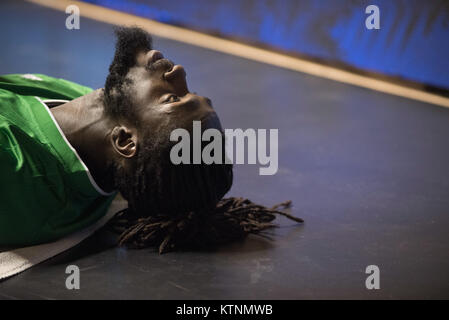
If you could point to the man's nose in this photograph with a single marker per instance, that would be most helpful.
(177, 77)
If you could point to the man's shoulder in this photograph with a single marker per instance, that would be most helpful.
(42, 86)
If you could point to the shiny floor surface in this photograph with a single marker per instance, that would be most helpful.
(369, 173)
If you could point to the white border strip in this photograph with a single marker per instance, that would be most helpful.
(92, 181)
(55, 100)
(18, 260)
(245, 51)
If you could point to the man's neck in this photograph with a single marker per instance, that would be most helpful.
(87, 129)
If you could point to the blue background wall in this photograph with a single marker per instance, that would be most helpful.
(413, 42)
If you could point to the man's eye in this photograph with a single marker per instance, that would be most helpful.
(172, 98)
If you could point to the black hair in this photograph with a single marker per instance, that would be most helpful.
(130, 41)
(156, 185)
(172, 206)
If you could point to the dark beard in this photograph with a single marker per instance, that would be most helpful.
(130, 41)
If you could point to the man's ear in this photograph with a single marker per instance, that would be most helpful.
(124, 141)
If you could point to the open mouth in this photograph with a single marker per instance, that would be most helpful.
(161, 63)
(156, 61)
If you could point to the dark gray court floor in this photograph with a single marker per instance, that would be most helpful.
(369, 173)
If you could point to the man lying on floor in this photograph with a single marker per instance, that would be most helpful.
(66, 150)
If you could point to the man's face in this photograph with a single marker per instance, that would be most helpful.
(161, 97)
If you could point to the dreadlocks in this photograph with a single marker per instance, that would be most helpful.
(172, 206)
(232, 219)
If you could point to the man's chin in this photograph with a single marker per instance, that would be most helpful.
(210, 121)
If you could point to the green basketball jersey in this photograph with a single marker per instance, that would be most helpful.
(46, 191)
